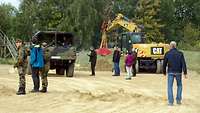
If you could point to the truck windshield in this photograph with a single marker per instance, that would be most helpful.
(56, 38)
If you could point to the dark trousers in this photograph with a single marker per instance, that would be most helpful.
(93, 64)
(36, 78)
(134, 70)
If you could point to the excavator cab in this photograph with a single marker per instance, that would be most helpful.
(127, 39)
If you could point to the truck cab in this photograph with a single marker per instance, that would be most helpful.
(62, 50)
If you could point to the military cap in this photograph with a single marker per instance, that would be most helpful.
(34, 40)
(18, 40)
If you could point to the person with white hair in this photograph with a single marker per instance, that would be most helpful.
(175, 61)
(173, 44)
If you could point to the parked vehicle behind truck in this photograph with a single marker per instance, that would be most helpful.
(62, 50)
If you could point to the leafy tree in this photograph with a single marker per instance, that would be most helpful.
(147, 15)
(26, 19)
(7, 14)
(163, 20)
(166, 14)
(191, 34)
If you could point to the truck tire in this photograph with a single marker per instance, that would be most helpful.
(60, 71)
(159, 64)
(28, 69)
(137, 66)
(70, 70)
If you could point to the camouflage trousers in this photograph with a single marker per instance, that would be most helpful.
(22, 79)
(44, 74)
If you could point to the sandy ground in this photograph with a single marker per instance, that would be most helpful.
(103, 93)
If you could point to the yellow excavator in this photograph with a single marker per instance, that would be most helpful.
(119, 21)
(149, 55)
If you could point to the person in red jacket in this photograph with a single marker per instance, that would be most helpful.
(129, 62)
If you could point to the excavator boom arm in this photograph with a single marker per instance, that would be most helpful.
(122, 21)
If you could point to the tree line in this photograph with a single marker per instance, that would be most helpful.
(163, 20)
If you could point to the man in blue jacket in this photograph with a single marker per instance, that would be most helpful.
(37, 63)
(175, 62)
(116, 60)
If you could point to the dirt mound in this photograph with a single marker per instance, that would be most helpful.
(113, 96)
(5, 91)
(104, 64)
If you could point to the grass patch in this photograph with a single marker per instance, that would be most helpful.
(83, 58)
(193, 60)
(7, 61)
(104, 63)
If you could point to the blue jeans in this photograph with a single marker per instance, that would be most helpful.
(116, 68)
(171, 77)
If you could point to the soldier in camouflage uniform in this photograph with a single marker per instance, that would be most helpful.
(45, 69)
(21, 66)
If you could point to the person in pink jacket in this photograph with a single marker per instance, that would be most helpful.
(129, 62)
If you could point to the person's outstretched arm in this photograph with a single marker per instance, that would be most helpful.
(184, 65)
(165, 64)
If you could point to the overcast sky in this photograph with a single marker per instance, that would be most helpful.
(13, 2)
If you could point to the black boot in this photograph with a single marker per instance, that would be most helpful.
(44, 90)
(21, 91)
(34, 91)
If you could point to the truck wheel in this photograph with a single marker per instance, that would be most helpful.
(159, 66)
(70, 70)
(137, 66)
(60, 71)
(28, 69)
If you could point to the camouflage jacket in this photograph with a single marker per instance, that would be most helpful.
(21, 57)
(46, 55)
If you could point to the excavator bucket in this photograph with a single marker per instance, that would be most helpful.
(103, 50)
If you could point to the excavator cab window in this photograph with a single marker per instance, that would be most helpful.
(137, 38)
(126, 40)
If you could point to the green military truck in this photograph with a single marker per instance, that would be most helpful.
(62, 50)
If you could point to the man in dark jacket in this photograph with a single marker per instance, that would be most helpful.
(175, 62)
(92, 60)
(116, 60)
